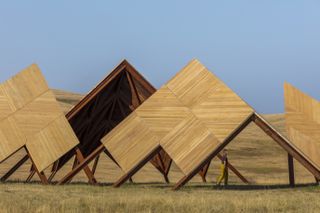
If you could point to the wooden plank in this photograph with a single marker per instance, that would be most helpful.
(35, 120)
(51, 143)
(14, 168)
(130, 141)
(24, 87)
(291, 170)
(33, 117)
(11, 138)
(302, 114)
(213, 102)
(188, 143)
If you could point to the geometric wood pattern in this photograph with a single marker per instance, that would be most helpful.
(303, 122)
(178, 115)
(125, 145)
(30, 116)
(103, 108)
(214, 103)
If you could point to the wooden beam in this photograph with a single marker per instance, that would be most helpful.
(234, 134)
(291, 171)
(129, 174)
(135, 96)
(86, 168)
(41, 174)
(32, 173)
(82, 164)
(14, 168)
(286, 145)
(234, 170)
(95, 164)
(203, 172)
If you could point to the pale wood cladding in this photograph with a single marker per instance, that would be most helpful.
(215, 104)
(303, 122)
(29, 110)
(190, 116)
(131, 143)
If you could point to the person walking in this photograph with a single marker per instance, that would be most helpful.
(224, 175)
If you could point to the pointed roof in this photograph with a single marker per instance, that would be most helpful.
(104, 107)
(302, 114)
(30, 116)
(189, 116)
(192, 117)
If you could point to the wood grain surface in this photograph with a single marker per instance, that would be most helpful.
(30, 116)
(302, 115)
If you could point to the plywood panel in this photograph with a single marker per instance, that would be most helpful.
(130, 142)
(188, 143)
(5, 107)
(25, 86)
(51, 142)
(11, 138)
(162, 112)
(213, 102)
(190, 115)
(303, 122)
(31, 116)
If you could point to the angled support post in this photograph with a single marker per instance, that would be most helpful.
(286, 145)
(129, 174)
(291, 171)
(32, 173)
(41, 174)
(84, 163)
(204, 171)
(215, 152)
(95, 164)
(14, 168)
(54, 171)
(86, 168)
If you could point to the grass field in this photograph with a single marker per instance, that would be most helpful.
(255, 155)
(155, 198)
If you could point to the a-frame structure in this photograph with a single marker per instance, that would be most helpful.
(302, 115)
(161, 160)
(103, 108)
(192, 117)
(31, 119)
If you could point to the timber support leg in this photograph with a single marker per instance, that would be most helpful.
(129, 174)
(14, 168)
(86, 168)
(32, 172)
(291, 170)
(82, 165)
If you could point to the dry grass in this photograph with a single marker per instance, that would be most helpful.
(154, 198)
(255, 155)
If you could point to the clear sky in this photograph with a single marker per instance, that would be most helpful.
(254, 46)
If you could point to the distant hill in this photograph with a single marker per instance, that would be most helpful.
(67, 99)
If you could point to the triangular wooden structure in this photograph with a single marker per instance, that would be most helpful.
(192, 118)
(133, 85)
(103, 108)
(302, 114)
(31, 118)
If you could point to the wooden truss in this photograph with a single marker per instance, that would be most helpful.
(161, 160)
(193, 117)
(293, 153)
(23, 98)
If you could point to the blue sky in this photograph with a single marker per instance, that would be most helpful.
(254, 46)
